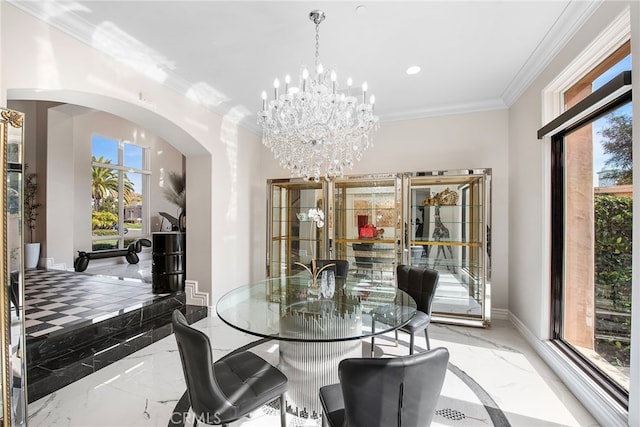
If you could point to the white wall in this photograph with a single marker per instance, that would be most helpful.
(62, 211)
(221, 158)
(46, 65)
(529, 193)
(468, 141)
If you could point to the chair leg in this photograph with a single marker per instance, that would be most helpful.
(411, 344)
(426, 335)
(396, 331)
(373, 341)
(373, 337)
(283, 411)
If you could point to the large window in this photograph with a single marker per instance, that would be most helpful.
(118, 193)
(591, 215)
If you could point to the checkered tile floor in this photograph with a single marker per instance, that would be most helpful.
(57, 300)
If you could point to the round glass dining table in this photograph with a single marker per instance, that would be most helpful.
(315, 331)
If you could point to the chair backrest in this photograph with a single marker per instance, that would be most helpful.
(340, 269)
(397, 391)
(197, 365)
(420, 283)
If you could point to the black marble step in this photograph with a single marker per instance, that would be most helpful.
(62, 357)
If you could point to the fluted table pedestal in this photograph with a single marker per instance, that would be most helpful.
(312, 364)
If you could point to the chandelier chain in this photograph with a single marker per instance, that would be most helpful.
(317, 45)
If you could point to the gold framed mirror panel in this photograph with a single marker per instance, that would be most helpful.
(13, 369)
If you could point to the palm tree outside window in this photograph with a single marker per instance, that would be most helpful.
(118, 196)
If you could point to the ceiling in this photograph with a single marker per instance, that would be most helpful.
(474, 55)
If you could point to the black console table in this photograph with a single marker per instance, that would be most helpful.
(169, 262)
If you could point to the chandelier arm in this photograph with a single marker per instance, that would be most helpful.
(330, 118)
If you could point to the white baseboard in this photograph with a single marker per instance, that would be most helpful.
(193, 295)
(49, 264)
(500, 314)
(603, 408)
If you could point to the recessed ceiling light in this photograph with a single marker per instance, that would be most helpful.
(361, 10)
(414, 69)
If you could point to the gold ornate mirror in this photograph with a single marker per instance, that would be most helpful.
(13, 384)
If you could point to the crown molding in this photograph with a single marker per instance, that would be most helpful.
(446, 110)
(573, 17)
(58, 15)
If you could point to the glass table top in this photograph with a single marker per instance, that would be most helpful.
(284, 309)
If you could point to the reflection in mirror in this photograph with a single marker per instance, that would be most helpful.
(366, 226)
(11, 295)
(294, 235)
(450, 222)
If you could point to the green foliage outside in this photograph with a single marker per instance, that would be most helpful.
(617, 144)
(104, 192)
(613, 228)
(103, 220)
(104, 244)
(104, 187)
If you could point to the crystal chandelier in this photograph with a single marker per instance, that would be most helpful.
(314, 129)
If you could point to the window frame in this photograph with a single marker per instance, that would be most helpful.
(145, 172)
(597, 105)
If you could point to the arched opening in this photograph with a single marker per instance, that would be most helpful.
(198, 160)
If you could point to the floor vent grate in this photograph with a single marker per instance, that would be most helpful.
(451, 414)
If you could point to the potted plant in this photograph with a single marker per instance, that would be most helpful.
(30, 214)
(175, 192)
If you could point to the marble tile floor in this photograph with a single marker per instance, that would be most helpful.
(56, 300)
(143, 388)
(76, 323)
(118, 268)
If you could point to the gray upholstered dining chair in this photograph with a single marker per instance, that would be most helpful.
(341, 267)
(420, 283)
(386, 392)
(223, 391)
